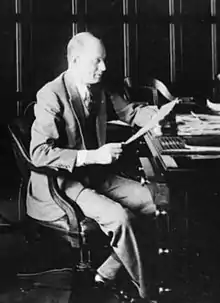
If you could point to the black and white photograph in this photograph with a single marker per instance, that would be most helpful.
(110, 151)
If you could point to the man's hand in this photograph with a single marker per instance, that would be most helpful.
(106, 154)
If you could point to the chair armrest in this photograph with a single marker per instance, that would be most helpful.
(70, 207)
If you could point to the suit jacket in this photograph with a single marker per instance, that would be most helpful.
(58, 133)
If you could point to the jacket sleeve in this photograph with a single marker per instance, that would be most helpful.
(48, 132)
(132, 113)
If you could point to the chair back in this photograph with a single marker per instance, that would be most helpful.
(149, 92)
(141, 93)
(20, 132)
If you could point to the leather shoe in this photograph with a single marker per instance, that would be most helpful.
(123, 295)
(102, 282)
(105, 284)
(127, 297)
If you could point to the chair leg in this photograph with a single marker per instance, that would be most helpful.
(84, 260)
(83, 274)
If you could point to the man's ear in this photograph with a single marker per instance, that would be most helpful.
(74, 60)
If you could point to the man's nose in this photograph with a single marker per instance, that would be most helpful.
(102, 65)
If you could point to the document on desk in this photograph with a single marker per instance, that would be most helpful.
(198, 124)
(161, 114)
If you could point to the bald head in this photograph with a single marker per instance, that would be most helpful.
(85, 55)
(79, 44)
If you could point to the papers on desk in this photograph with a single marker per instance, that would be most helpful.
(198, 124)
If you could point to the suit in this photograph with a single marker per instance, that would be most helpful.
(58, 132)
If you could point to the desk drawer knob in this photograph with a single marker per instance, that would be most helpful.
(161, 212)
(163, 251)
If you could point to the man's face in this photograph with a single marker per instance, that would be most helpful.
(90, 64)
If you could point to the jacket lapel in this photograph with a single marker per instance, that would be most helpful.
(101, 120)
(75, 102)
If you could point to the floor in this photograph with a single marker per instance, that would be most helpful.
(193, 276)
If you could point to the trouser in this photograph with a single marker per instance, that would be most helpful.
(115, 205)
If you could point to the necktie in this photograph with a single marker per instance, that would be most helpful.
(87, 99)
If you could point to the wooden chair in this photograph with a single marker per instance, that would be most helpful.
(81, 231)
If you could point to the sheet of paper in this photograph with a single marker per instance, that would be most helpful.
(161, 114)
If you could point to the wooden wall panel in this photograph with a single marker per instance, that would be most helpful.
(197, 70)
(107, 7)
(7, 59)
(47, 32)
(104, 19)
(154, 8)
(48, 60)
(197, 58)
(174, 40)
(149, 40)
(196, 8)
(49, 8)
(153, 52)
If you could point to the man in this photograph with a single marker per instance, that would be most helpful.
(69, 132)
